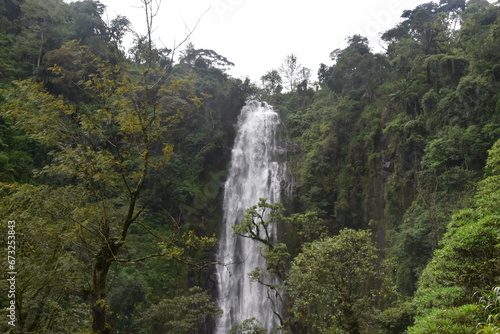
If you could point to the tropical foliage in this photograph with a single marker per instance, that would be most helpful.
(112, 163)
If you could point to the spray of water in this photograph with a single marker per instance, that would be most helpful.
(256, 171)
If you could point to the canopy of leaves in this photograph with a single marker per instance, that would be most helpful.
(327, 282)
(108, 159)
(468, 263)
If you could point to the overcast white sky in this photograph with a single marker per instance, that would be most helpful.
(256, 35)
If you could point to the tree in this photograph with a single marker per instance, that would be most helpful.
(88, 149)
(106, 151)
(453, 320)
(43, 28)
(331, 283)
(104, 145)
(48, 287)
(355, 67)
(88, 23)
(140, 54)
(468, 263)
(261, 219)
(271, 81)
(290, 70)
(204, 58)
(181, 314)
(257, 224)
(249, 326)
(117, 29)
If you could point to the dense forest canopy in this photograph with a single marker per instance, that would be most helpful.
(112, 163)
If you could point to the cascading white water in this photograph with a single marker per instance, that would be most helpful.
(255, 172)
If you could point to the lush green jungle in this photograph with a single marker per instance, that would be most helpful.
(112, 164)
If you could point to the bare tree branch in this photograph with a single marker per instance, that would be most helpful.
(190, 33)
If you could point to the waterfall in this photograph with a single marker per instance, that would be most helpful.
(255, 172)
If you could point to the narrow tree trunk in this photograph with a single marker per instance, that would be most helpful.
(428, 70)
(98, 294)
(352, 322)
(40, 51)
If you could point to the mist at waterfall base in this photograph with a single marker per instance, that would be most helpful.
(256, 171)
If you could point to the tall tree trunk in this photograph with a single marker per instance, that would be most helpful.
(428, 70)
(103, 261)
(40, 51)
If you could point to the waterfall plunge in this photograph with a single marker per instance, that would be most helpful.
(255, 173)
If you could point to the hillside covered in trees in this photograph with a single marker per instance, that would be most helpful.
(112, 164)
